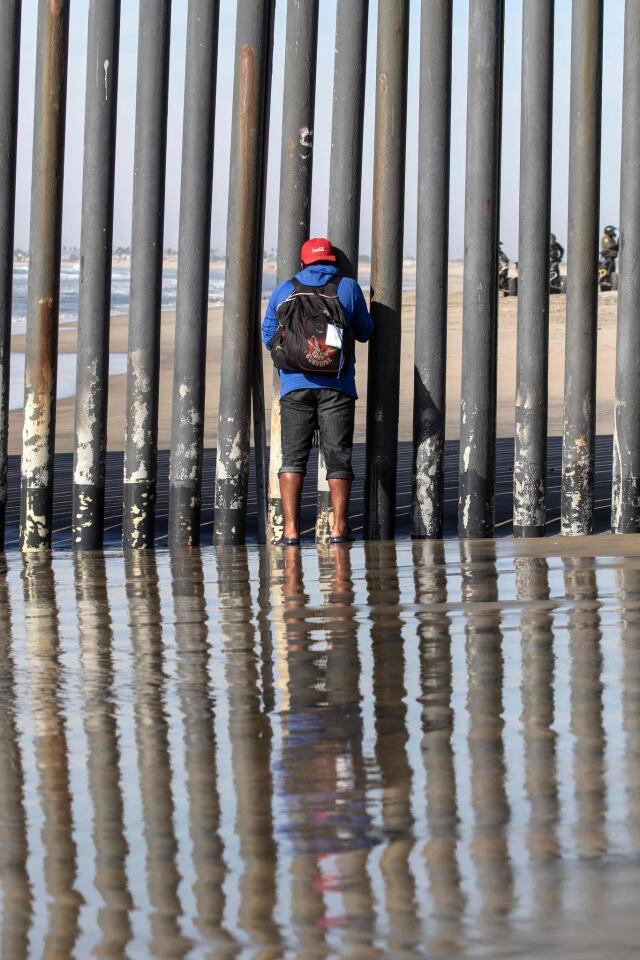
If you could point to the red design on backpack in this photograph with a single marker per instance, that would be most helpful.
(319, 354)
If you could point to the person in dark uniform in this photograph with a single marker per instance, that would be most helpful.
(609, 254)
(609, 247)
(556, 250)
(556, 253)
(503, 268)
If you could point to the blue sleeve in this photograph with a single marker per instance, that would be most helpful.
(361, 321)
(270, 322)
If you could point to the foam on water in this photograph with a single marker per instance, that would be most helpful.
(66, 383)
(120, 291)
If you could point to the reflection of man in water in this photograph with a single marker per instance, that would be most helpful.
(321, 773)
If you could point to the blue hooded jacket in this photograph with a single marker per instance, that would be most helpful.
(355, 309)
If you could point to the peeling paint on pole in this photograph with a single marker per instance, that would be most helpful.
(345, 178)
(625, 511)
(296, 169)
(432, 264)
(187, 426)
(480, 298)
(38, 438)
(254, 43)
(92, 379)
(578, 447)
(10, 12)
(383, 393)
(530, 456)
(143, 367)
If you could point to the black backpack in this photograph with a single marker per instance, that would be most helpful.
(300, 343)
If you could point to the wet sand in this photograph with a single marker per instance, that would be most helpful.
(506, 372)
(389, 751)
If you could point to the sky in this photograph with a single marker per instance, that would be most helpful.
(612, 87)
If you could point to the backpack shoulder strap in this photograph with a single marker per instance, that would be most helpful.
(331, 288)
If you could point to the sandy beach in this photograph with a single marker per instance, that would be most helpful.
(506, 370)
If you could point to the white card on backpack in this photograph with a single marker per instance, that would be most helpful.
(333, 337)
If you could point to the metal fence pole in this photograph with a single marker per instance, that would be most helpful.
(254, 40)
(625, 513)
(9, 80)
(38, 439)
(345, 177)
(383, 394)
(295, 191)
(187, 428)
(480, 297)
(432, 266)
(530, 461)
(92, 377)
(578, 448)
(257, 386)
(143, 367)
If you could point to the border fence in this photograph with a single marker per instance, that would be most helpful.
(241, 402)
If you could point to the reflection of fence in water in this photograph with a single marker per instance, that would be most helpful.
(241, 385)
(268, 818)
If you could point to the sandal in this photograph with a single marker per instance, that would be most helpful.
(288, 542)
(343, 538)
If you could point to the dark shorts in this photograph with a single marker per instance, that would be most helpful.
(331, 413)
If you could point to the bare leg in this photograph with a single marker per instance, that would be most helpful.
(291, 492)
(340, 492)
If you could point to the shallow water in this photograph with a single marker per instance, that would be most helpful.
(389, 751)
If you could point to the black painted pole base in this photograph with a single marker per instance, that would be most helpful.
(229, 525)
(630, 526)
(36, 504)
(139, 515)
(3, 512)
(625, 509)
(184, 515)
(528, 533)
(88, 517)
(475, 507)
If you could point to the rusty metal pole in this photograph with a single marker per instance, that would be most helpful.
(257, 386)
(187, 428)
(345, 176)
(480, 296)
(143, 368)
(10, 12)
(38, 437)
(432, 268)
(254, 42)
(383, 394)
(625, 512)
(296, 169)
(530, 456)
(578, 447)
(92, 378)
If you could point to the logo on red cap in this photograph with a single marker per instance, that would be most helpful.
(315, 249)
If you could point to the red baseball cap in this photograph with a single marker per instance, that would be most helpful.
(318, 248)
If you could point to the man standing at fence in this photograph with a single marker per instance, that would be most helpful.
(310, 327)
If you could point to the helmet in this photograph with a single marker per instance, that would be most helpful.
(609, 230)
(552, 238)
